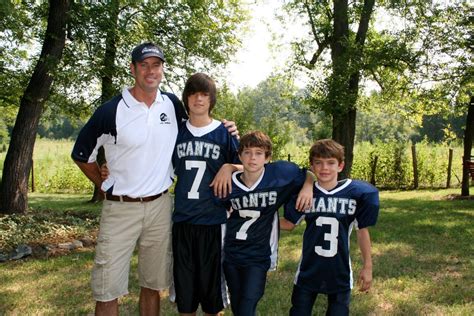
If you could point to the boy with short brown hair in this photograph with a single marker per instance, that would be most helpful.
(338, 206)
(251, 241)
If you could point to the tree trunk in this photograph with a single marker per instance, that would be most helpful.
(108, 72)
(344, 84)
(17, 164)
(343, 131)
(468, 136)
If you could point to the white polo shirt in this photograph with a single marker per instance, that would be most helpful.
(139, 150)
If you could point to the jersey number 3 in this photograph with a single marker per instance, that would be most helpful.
(331, 237)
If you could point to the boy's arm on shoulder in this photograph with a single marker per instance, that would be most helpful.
(305, 196)
(231, 128)
(222, 182)
(286, 224)
(365, 275)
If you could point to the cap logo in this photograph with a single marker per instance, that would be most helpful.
(150, 50)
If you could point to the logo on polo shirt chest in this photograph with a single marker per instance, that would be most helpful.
(164, 119)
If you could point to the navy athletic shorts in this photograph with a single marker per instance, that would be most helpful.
(197, 267)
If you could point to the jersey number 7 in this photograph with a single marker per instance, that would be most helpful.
(201, 168)
(253, 215)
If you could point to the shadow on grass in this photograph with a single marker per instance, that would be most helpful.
(423, 260)
(423, 248)
(436, 227)
(71, 203)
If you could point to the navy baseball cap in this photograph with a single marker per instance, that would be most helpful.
(146, 50)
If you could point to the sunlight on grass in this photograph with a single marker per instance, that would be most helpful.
(422, 254)
(434, 194)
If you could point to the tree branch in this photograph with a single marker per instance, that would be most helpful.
(311, 22)
(321, 47)
(321, 44)
(364, 22)
(377, 79)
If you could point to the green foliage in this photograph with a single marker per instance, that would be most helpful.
(55, 171)
(395, 166)
(67, 179)
(274, 107)
(271, 107)
(416, 61)
(298, 154)
(230, 107)
(194, 35)
(59, 127)
(4, 137)
(436, 76)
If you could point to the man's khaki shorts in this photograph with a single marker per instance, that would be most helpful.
(124, 225)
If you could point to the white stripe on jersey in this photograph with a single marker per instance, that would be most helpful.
(274, 243)
(351, 280)
(224, 290)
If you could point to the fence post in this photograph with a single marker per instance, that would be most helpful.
(374, 167)
(32, 176)
(415, 166)
(450, 163)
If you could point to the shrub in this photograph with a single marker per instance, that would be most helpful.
(395, 164)
(55, 171)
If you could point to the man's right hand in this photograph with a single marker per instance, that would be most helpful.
(104, 172)
(92, 171)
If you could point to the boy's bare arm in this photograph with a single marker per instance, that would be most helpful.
(286, 224)
(222, 182)
(365, 275)
(305, 196)
(231, 128)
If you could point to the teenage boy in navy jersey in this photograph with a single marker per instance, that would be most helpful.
(203, 146)
(137, 129)
(251, 241)
(337, 208)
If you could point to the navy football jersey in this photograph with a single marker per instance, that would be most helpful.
(325, 263)
(252, 228)
(198, 156)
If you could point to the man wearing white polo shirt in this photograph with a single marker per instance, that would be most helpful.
(138, 130)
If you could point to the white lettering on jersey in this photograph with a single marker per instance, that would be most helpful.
(333, 205)
(272, 197)
(343, 203)
(235, 204)
(321, 208)
(254, 200)
(198, 149)
(352, 207)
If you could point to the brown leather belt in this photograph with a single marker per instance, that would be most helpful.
(126, 198)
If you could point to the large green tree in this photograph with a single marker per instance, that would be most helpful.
(415, 51)
(14, 186)
(195, 35)
(342, 28)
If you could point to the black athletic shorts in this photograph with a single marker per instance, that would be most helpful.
(197, 267)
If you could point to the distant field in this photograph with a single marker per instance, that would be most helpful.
(55, 172)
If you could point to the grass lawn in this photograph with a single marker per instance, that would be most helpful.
(422, 251)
